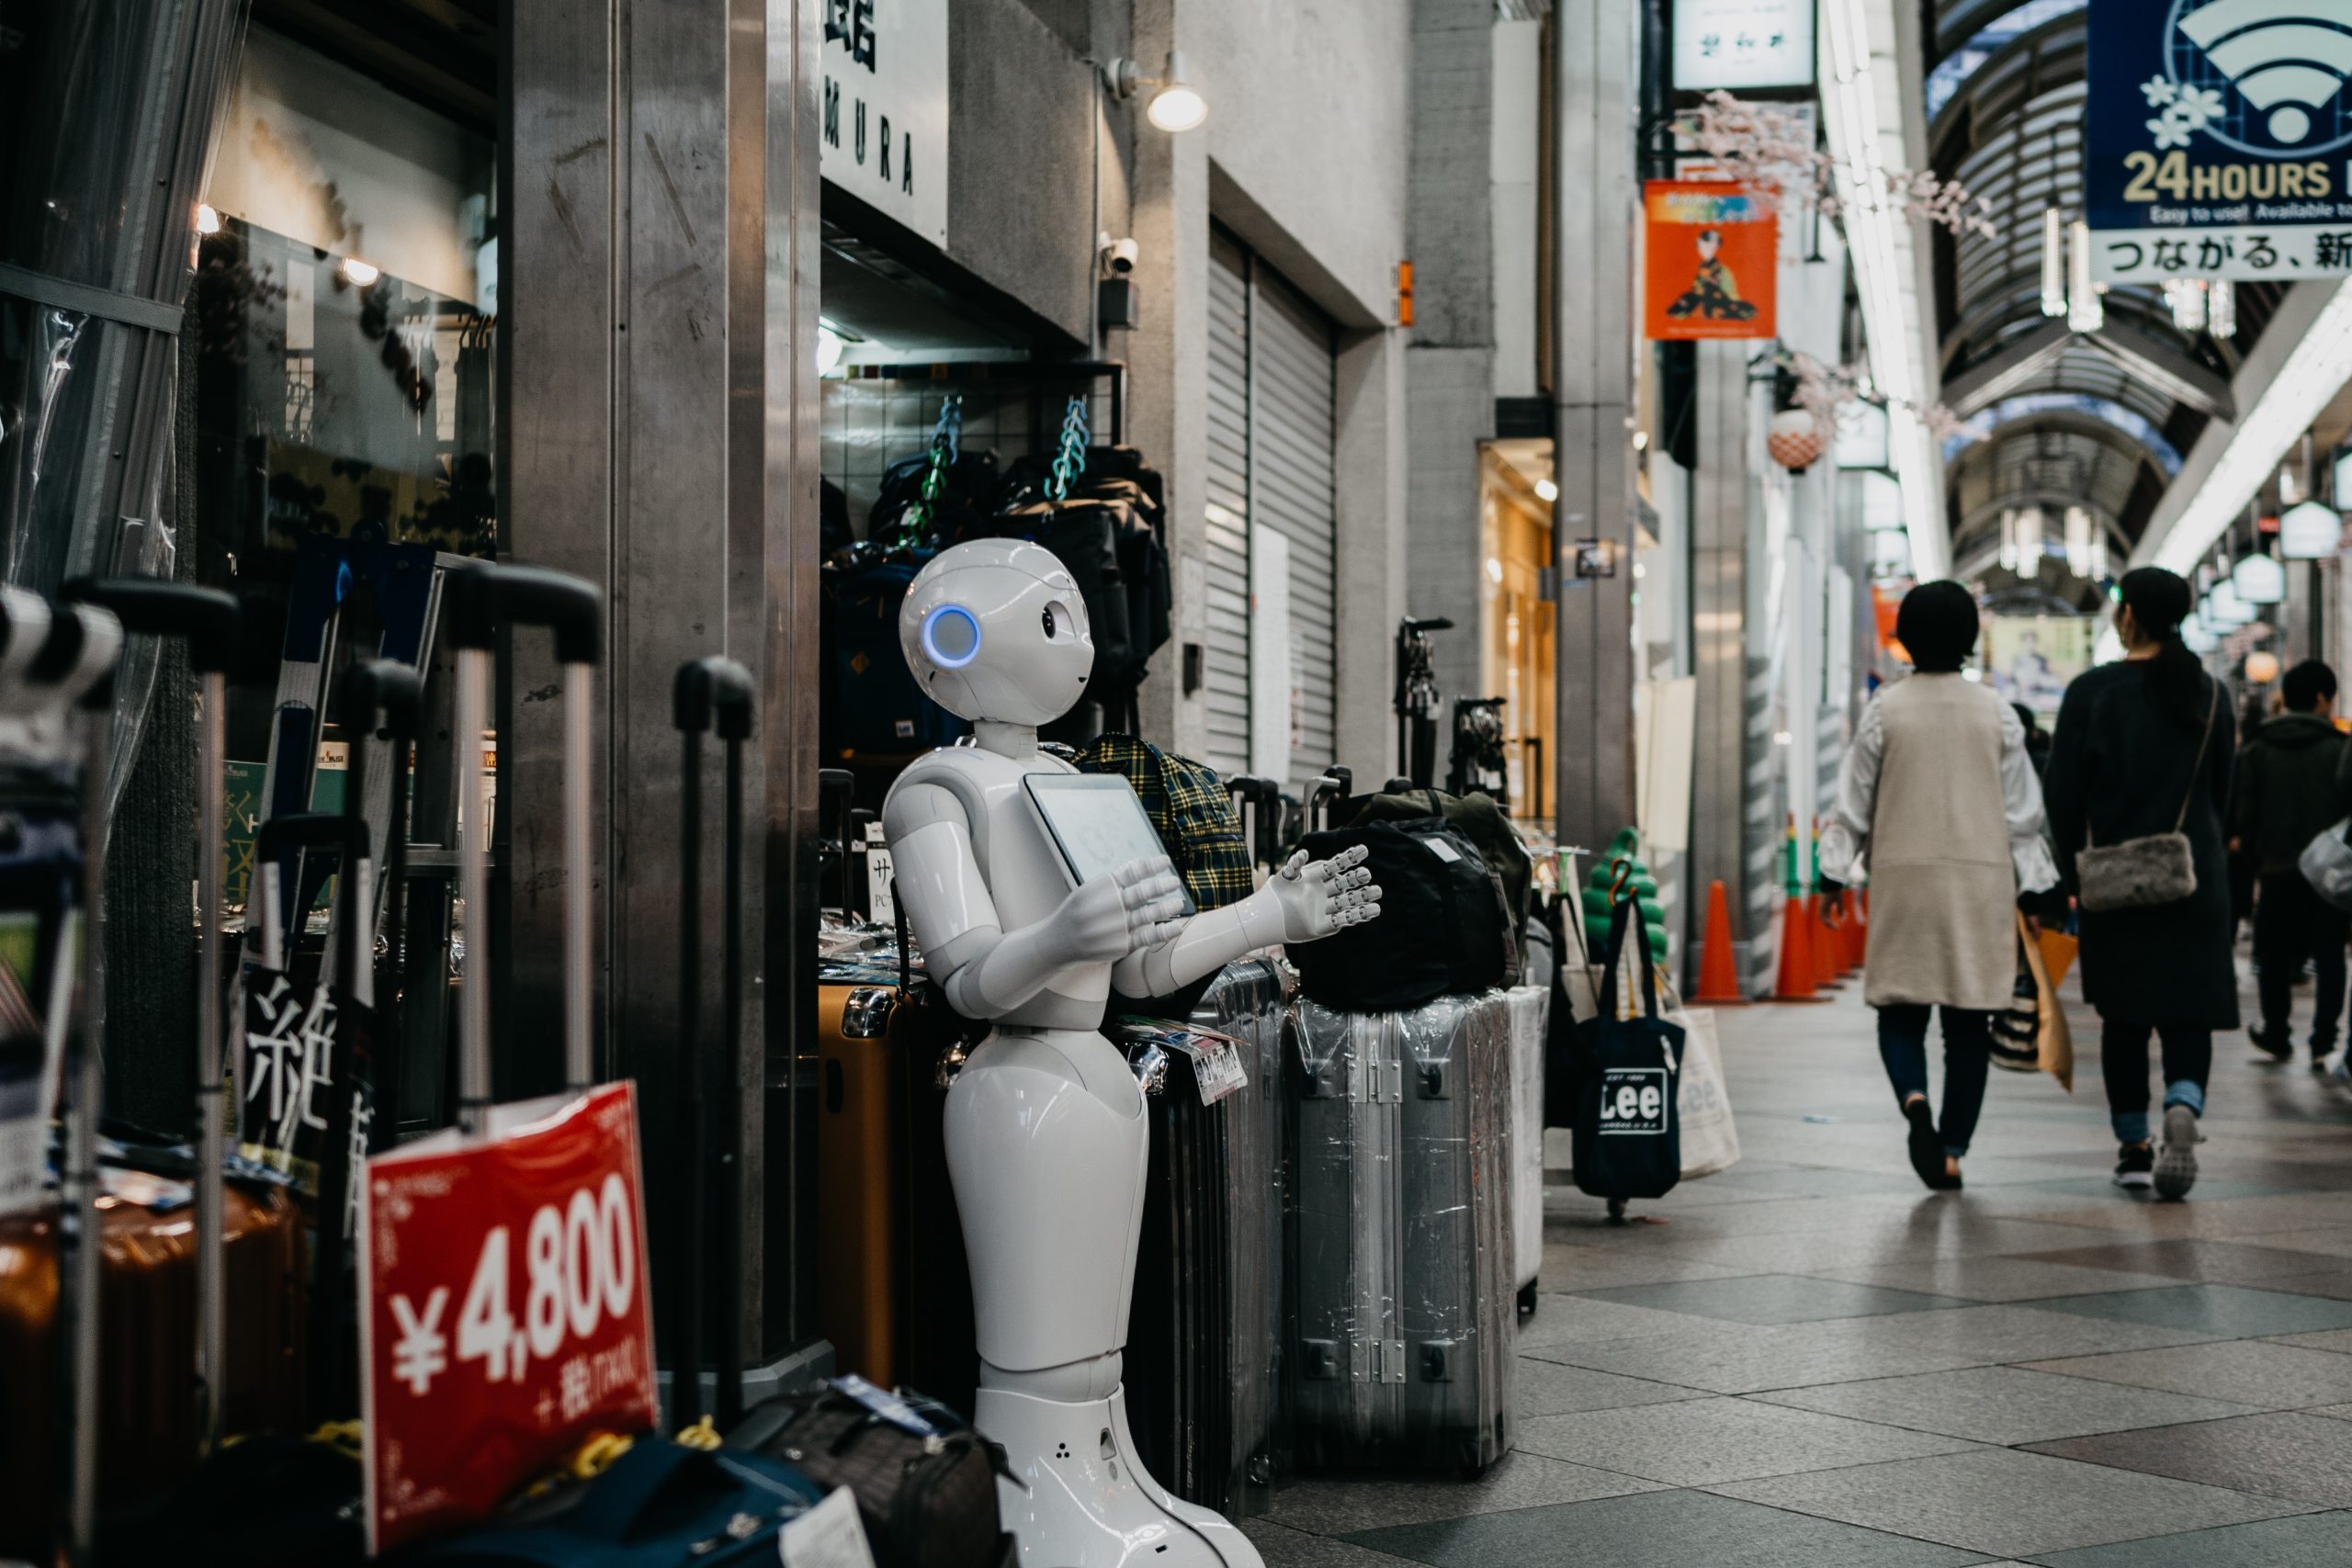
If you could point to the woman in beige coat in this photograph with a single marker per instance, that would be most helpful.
(1938, 798)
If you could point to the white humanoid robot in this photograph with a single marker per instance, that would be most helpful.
(1045, 1132)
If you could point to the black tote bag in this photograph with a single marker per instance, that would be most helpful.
(1628, 1132)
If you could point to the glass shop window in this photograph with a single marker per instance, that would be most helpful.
(347, 291)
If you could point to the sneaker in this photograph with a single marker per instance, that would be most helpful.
(2176, 1167)
(2321, 1055)
(1927, 1149)
(2136, 1168)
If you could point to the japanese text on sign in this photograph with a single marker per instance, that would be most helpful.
(2217, 142)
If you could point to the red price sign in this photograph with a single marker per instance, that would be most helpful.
(506, 1318)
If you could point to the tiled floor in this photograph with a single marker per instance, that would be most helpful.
(1809, 1361)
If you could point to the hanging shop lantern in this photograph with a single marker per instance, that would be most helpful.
(1794, 440)
(2261, 668)
(2259, 580)
(2199, 640)
(2310, 532)
(2224, 608)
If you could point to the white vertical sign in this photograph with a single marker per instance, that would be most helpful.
(883, 113)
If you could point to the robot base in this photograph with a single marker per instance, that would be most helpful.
(1088, 1504)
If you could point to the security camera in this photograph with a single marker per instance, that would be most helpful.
(1119, 256)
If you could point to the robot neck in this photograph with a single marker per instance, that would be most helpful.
(1018, 741)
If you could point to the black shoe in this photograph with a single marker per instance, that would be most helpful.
(2321, 1056)
(2274, 1044)
(2176, 1167)
(2136, 1167)
(1927, 1149)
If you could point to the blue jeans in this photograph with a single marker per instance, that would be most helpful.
(1968, 1061)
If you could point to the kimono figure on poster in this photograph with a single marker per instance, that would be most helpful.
(1714, 294)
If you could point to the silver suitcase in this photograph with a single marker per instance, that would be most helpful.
(1401, 1240)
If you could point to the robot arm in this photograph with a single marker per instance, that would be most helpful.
(986, 971)
(1301, 902)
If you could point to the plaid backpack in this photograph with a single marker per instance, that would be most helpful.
(1187, 803)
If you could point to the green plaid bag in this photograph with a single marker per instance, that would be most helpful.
(1188, 804)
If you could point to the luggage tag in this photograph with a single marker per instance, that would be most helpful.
(1216, 1058)
(830, 1535)
(889, 1406)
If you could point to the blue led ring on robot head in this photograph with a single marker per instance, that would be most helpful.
(951, 637)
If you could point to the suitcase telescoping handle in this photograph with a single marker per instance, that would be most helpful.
(479, 598)
(710, 693)
(384, 699)
(209, 623)
(78, 647)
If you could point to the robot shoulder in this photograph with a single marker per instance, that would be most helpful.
(939, 784)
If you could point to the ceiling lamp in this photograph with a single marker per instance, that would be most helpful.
(1794, 439)
(1175, 104)
(2224, 608)
(2310, 532)
(2261, 667)
(2187, 298)
(2199, 640)
(2222, 308)
(2086, 312)
(2053, 262)
(2259, 580)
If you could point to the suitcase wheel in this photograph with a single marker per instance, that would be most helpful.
(1616, 1210)
(1527, 1299)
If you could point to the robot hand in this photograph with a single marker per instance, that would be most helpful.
(1136, 906)
(1319, 899)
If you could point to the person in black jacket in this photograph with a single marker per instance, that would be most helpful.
(2286, 797)
(2143, 748)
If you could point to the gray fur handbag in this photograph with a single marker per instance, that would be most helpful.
(2154, 869)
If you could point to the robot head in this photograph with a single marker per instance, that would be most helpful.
(994, 629)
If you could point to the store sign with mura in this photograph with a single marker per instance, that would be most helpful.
(883, 125)
(1740, 44)
(2217, 139)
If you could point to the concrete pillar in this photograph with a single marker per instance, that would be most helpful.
(659, 199)
(1595, 59)
(1719, 591)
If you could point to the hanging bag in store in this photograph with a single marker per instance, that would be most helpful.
(1444, 930)
(1628, 1126)
(2154, 869)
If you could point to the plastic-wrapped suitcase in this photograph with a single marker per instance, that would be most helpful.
(1531, 1009)
(1400, 1235)
(1205, 1327)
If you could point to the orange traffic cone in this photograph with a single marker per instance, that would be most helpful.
(1826, 971)
(1857, 940)
(1796, 981)
(1718, 973)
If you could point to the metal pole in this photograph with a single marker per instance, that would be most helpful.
(81, 1177)
(686, 1361)
(731, 1135)
(578, 1032)
(472, 698)
(211, 1080)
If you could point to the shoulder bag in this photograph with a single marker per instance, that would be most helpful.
(2152, 870)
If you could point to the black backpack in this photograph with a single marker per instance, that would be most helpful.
(1442, 929)
(1628, 1132)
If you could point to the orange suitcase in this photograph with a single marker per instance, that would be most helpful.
(147, 1431)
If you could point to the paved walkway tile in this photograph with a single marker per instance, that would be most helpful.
(2307, 1540)
(2244, 1371)
(2300, 1458)
(2231, 1309)
(1775, 1298)
(2008, 1503)
(2003, 1404)
(1520, 1480)
(1704, 1441)
(1547, 1388)
(1656, 1529)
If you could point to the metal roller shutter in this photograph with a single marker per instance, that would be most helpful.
(1293, 423)
(1226, 667)
(1271, 424)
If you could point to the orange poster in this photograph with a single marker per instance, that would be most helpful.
(1713, 255)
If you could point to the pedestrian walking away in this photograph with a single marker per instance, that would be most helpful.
(1938, 806)
(2139, 786)
(2287, 793)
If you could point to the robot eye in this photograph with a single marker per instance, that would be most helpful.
(1059, 622)
(1048, 618)
(951, 637)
